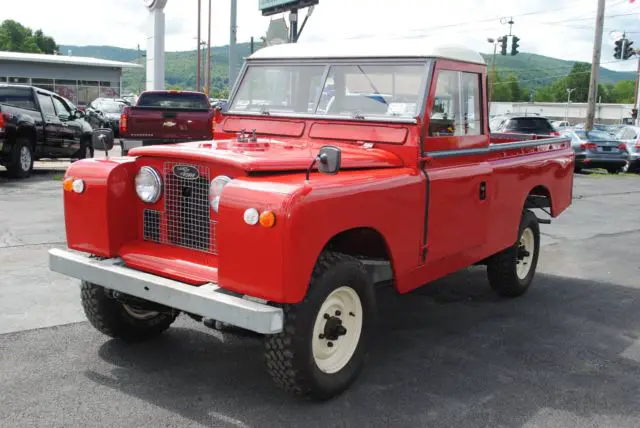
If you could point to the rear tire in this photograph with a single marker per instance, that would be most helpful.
(322, 347)
(121, 321)
(21, 163)
(511, 271)
(614, 170)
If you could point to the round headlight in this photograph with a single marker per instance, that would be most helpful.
(215, 190)
(148, 185)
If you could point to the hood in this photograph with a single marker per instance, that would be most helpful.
(268, 154)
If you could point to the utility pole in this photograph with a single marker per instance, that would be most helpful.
(636, 102)
(569, 91)
(208, 73)
(198, 68)
(595, 67)
(493, 66)
(232, 43)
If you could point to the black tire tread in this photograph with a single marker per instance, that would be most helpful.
(500, 269)
(109, 317)
(279, 354)
(13, 168)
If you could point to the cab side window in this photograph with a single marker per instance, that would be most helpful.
(445, 112)
(46, 105)
(456, 108)
(63, 111)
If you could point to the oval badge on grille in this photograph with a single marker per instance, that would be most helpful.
(187, 172)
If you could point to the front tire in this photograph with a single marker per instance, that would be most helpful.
(511, 271)
(614, 170)
(21, 163)
(322, 347)
(121, 321)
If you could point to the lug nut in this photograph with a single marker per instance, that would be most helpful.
(330, 344)
(321, 336)
(326, 316)
(338, 313)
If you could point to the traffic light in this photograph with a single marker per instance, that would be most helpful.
(628, 50)
(515, 45)
(617, 52)
(503, 45)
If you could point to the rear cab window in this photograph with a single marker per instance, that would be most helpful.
(17, 97)
(179, 100)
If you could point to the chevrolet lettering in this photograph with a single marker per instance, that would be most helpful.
(334, 169)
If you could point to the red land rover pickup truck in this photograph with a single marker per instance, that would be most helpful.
(335, 167)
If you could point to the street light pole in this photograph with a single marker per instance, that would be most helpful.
(569, 91)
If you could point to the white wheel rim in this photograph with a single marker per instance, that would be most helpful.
(139, 314)
(25, 158)
(525, 253)
(332, 354)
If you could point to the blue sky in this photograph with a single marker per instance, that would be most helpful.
(559, 28)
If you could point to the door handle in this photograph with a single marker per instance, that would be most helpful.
(483, 191)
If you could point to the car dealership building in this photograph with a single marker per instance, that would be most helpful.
(79, 79)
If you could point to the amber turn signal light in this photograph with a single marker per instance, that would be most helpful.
(267, 219)
(67, 184)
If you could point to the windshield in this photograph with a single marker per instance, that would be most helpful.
(181, 100)
(357, 90)
(112, 107)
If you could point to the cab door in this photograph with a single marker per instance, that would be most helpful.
(53, 129)
(71, 133)
(455, 153)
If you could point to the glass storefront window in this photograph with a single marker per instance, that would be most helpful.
(19, 80)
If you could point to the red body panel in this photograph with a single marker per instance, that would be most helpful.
(268, 154)
(428, 210)
(100, 220)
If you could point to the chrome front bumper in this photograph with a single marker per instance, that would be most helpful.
(207, 300)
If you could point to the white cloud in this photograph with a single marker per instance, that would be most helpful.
(559, 28)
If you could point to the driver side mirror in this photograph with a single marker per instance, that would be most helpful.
(329, 159)
(78, 114)
(102, 139)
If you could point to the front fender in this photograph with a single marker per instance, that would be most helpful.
(276, 263)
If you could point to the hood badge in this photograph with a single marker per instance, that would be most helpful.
(186, 172)
(169, 124)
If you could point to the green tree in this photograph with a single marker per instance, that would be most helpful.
(515, 92)
(623, 92)
(15, 37)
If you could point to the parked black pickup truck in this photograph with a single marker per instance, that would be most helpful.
(36, 124)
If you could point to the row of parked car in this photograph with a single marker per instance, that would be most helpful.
(615, 148)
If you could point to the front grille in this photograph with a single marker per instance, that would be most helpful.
(186, 220)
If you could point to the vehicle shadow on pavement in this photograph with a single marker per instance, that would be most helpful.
(449, 354)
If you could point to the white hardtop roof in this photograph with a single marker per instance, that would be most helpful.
(412, 48)
(62, 59)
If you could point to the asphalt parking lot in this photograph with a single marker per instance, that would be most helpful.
(451, 354)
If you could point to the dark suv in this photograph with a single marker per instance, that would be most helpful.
(523, 125)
